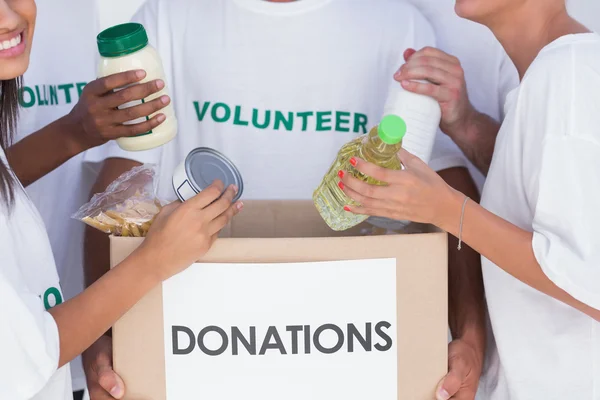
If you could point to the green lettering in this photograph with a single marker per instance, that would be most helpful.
(360, 121)
(255, 119)
(54, 292)
(321, 120)
(237, 118)
(304, 116)
(226, 112)
(41, 101)
(80, 86)
(67, 89)
(280, 119)
(53, 95)
(24, 103)
(342, 117)
(201, 113)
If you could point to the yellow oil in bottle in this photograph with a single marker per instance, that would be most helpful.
(378, 147)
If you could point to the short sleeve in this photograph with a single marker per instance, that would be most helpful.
(566, 240)
(29, 343)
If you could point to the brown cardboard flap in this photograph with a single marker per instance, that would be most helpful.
(138, 338)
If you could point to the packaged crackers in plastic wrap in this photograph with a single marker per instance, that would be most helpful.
(127, 207)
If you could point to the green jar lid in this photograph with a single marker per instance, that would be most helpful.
(121, 40)
(391, 129)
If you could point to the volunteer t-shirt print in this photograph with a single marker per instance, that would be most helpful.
(282, 120)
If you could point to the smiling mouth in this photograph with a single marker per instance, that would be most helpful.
(11, 43)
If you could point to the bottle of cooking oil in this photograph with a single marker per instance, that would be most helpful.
(378, 147)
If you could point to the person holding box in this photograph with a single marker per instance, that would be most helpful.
(536, 226)
(40, 331)
(265, 83)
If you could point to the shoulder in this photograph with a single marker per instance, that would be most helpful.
(570, 57)
(563, 87)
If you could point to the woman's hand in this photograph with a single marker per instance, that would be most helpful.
(183, 233)
(416, 193)
(447, 85)
(97, 117)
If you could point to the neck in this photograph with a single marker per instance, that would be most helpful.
(526, 30)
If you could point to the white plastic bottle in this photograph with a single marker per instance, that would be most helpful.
(422, 115)
(124, 48)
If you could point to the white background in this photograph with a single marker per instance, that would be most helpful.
(114, 12)
(278, 295)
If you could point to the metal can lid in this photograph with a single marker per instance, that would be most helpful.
(204, 165)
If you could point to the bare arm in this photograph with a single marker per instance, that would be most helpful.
(51, 147)
(465, 282)
(466, 307)
(477, 139)
(103, 303)
(418, 194)
(491, 235)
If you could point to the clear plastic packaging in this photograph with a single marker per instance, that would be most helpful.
(127, 207)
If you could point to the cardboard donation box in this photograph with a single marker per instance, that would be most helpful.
(282, 307)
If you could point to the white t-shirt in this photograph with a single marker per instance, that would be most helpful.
(545, 178)
(61, 64)
(278, 87)
(29, 342)
(489, 73)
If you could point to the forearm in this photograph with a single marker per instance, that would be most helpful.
(466, 305)
(477, 139)
(507, 246)
(83, 319)
(43, 151)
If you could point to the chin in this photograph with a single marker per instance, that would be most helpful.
(14, 68)
(474, 10)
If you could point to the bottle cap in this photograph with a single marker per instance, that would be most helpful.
(121, 40)
(201, 167)
(391, 129)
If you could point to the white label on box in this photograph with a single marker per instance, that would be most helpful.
(317, 331)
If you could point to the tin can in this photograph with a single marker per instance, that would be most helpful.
(200, 168)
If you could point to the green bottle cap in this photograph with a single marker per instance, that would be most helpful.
(122, 39)
(391, 129)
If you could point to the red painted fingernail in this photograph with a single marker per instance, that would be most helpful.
(341, 174)
(353, 162)
(341, 185)
(346, 208)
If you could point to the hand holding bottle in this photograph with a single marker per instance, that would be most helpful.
(416, 193)
(96, 119)
(446, 84)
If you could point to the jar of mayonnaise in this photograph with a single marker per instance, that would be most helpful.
(124, 48)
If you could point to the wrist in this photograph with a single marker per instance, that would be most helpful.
(450, 212)
(73, 135)
(463, 126)
(143, 267)
(475, 337)
(147, 264)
